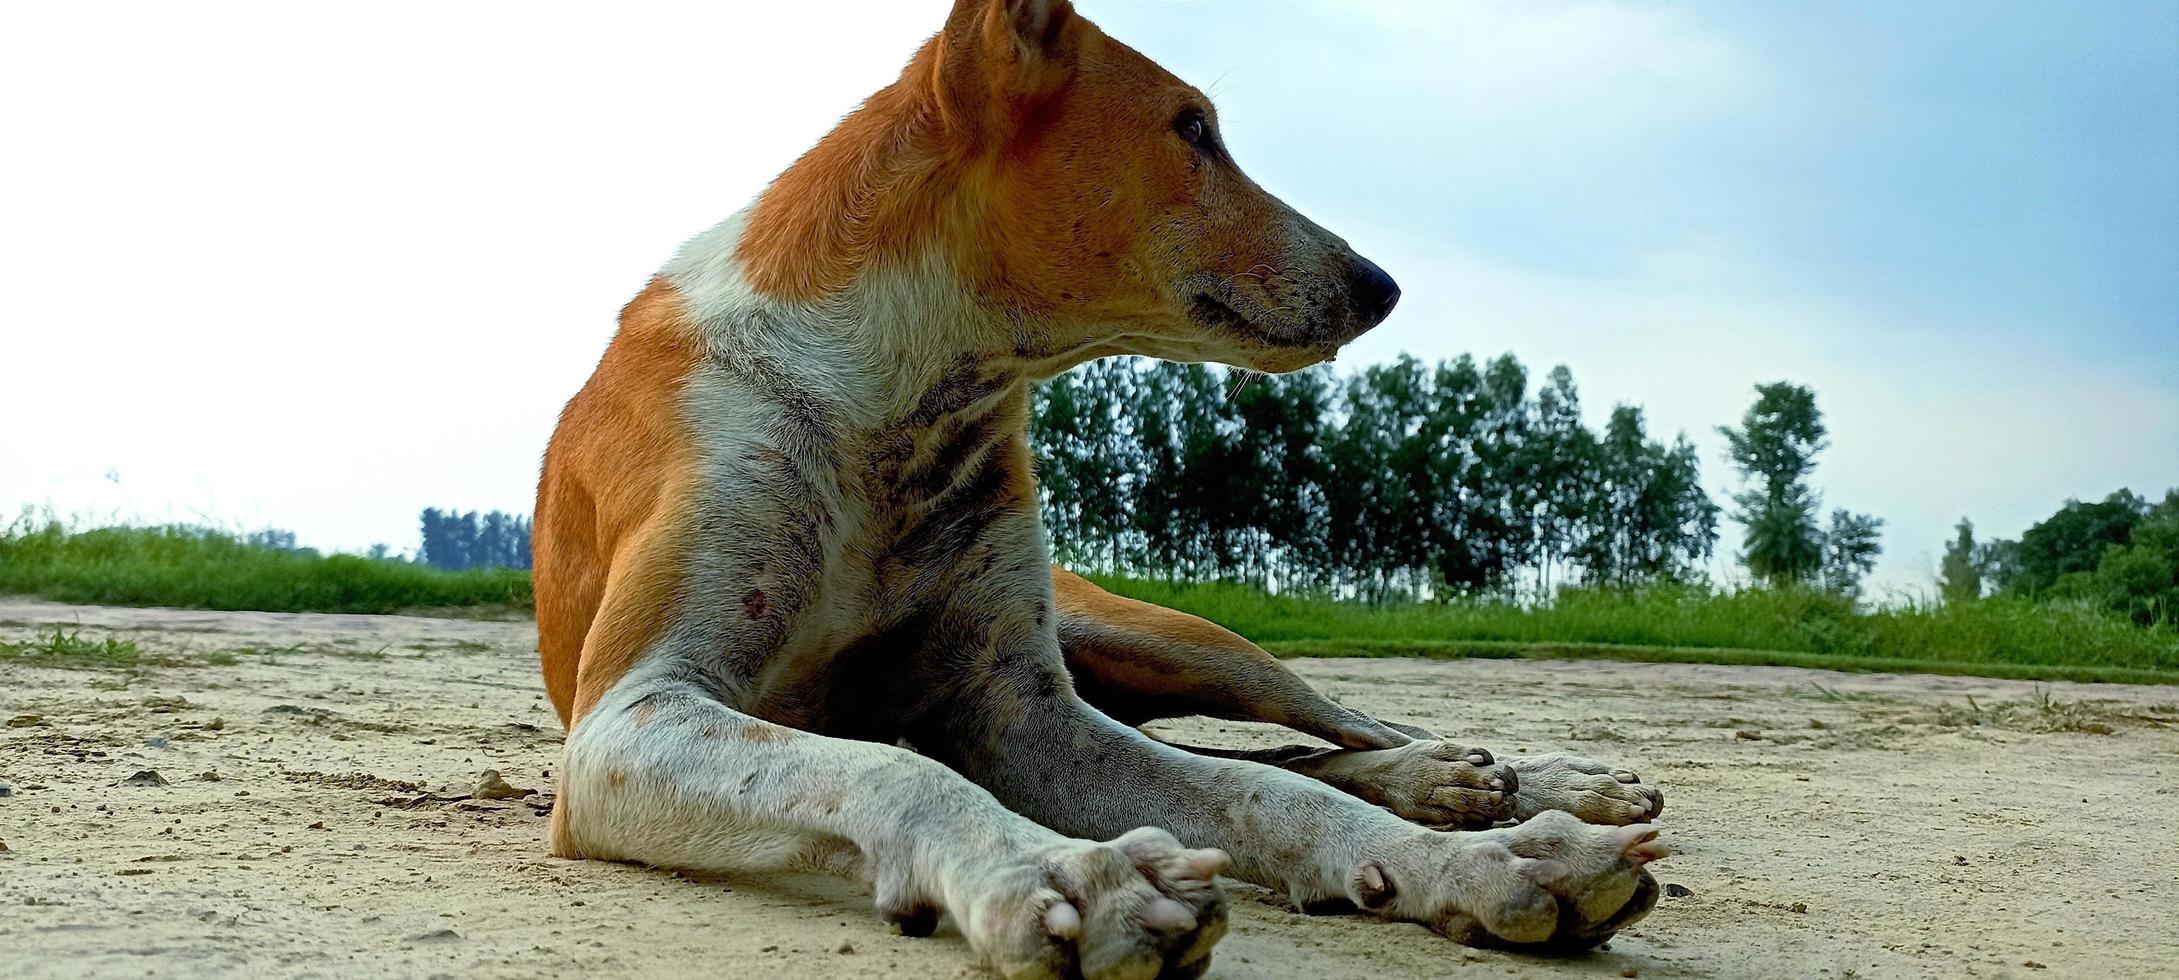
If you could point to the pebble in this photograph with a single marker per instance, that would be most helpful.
(26, 721)
(1676, 890)
(156, 742)
(5, 789)
(845, 949)
(145, 777)
(491, 787)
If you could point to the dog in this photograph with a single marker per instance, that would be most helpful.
(794, 601)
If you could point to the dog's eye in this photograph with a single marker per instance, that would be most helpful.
(1192, 129)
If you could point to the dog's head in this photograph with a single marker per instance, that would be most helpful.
(1076, 184)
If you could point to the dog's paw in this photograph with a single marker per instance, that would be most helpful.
(1433, 783)
(1553, 884)
(1588, 789)
(1140, 905)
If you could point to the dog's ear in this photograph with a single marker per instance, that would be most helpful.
(996, 54)
(1035, 29)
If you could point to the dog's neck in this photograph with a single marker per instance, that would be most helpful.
(878, 348)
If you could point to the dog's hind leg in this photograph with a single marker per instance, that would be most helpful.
(1139, 662)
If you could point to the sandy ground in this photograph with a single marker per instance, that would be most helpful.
(312, 820)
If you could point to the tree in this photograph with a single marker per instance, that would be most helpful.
(2138, 579)
(1775, 449)
(2074, 539)
(1960, 575)
(454, 541)
(1850, 549)
(1561, 456)
(1649, 517)
(1400, 479)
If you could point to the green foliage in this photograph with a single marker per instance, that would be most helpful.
(2119, 554)
(2140, 578)
(1778, 438)
(58, 645)
(205, 569)
(1775, 450)
(2002, 636)
(1850, 547)
(1402, 479)
(454, 541)
(1960, 576)
(2073, 540)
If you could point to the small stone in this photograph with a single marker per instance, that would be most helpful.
(846, 949)
(320, 825)
(1630, 972)
(5, 789)
(156, 742)
(1800, 908)
(491, 787)
(436, 936)
(133, 871)
(216, 724)
(1676, 890)
(2033, 965)
(3, 847)
(26, 721)
(1748, 735)
(769, 949)
(145, 777)
(208, 776)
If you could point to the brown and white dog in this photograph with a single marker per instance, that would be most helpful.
(794, 603)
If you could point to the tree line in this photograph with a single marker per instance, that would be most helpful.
(2120, 553)
(1406, 479)
(456, 541)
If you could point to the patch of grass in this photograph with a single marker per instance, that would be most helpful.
(206, 569)
(2007, 638)
(66, 646)
(2040, 714)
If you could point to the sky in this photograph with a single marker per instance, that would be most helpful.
(318, 267)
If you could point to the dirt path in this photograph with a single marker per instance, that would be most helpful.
(1829, 825)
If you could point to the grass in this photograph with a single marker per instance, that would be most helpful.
(205, 569)
(1692, 624)
(2007, 638)
(2040, 714)
(64, 646)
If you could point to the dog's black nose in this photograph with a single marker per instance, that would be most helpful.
(1374, 292)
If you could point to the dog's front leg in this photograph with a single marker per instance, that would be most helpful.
(1011, 721)
(667, 767)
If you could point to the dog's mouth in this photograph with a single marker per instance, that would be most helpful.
(1277, 349)
(1210, 311)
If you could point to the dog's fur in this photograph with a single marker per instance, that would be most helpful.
(793, 598)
